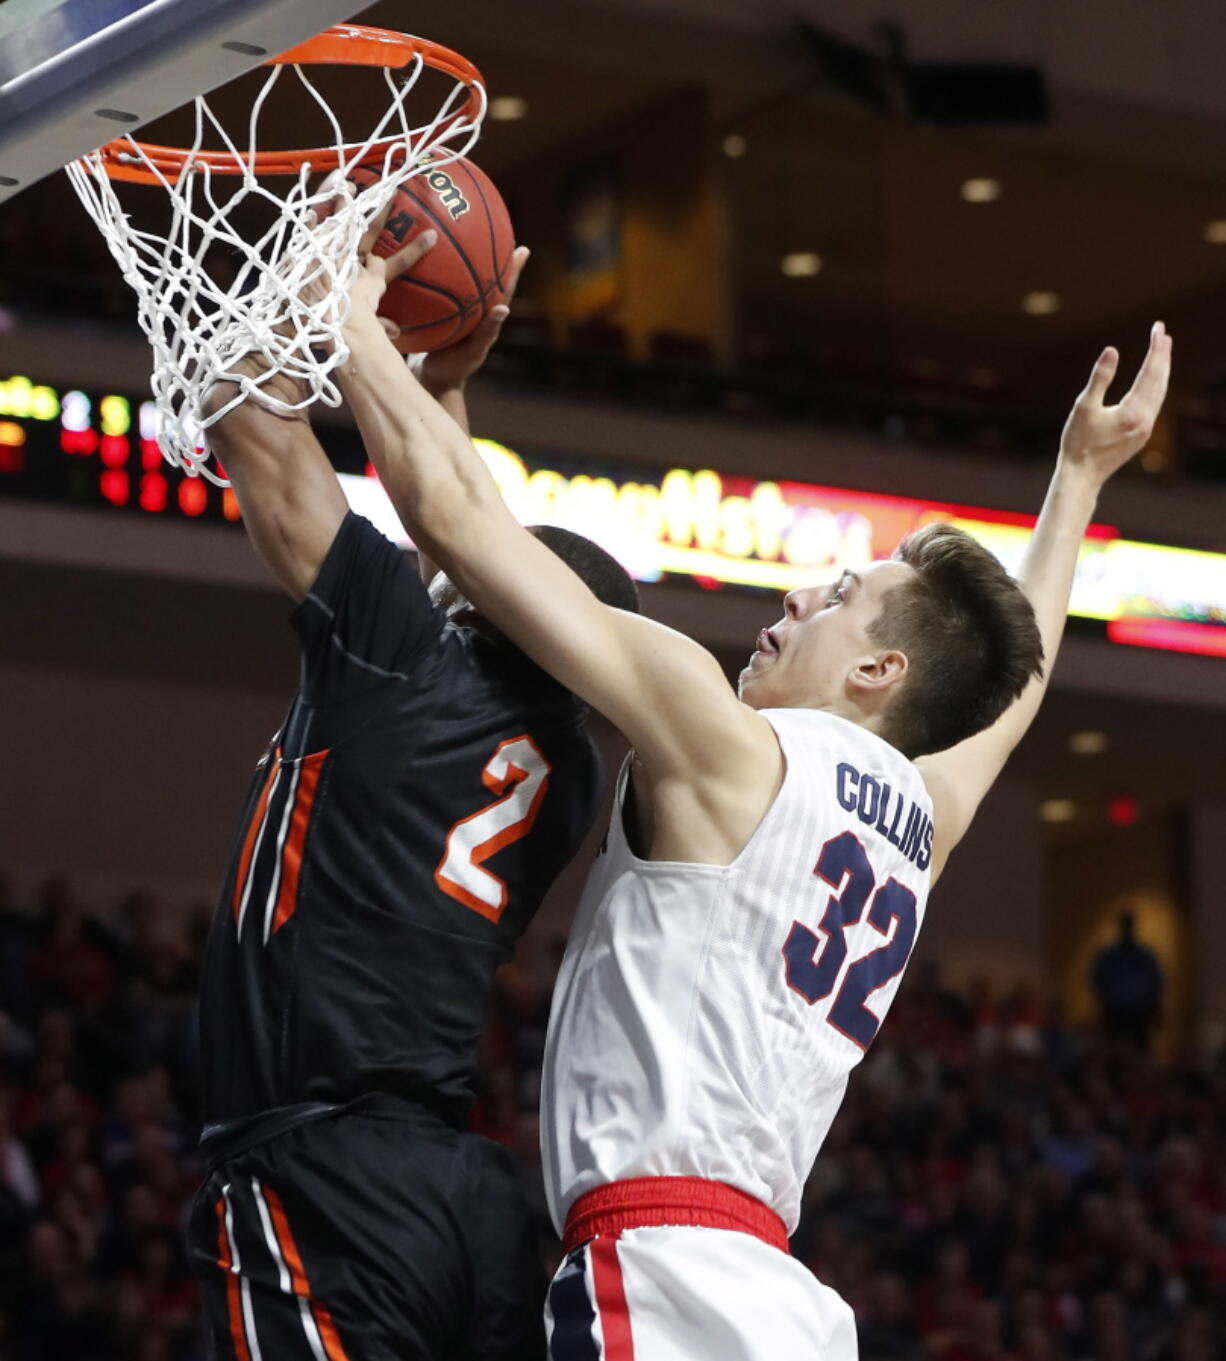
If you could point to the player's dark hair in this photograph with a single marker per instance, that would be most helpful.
(603, 575)
(970, 637)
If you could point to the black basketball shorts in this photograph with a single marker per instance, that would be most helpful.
(367, 1236)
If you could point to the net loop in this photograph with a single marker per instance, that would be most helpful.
(206, 295)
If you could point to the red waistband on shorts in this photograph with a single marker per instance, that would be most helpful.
(658, 1202)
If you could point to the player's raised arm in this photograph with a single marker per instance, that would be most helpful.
(1096, 442)
(665, 692)
(291, 501)
(445, 373)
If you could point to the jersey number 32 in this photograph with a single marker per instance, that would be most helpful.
(813, 964)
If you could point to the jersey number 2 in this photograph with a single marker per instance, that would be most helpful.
(813, 965)
(519, 773)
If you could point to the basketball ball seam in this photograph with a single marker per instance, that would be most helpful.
(457, 319)
(489, 225)
(443, 228)
(453, 298)
(504, 271)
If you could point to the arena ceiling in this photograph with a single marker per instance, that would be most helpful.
(1106, 205)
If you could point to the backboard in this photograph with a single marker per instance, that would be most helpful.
(76, 73)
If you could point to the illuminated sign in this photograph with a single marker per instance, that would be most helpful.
(718, 530)
(782, 535)
(728, 530)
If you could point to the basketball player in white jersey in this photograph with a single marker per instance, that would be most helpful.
(745, 928)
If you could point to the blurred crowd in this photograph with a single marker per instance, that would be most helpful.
(97, 1128)
(999, 1186)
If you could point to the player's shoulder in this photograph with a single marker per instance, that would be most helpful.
(483, 682)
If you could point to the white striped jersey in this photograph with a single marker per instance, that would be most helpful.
(706, 1018)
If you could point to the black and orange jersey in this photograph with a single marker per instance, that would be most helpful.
(428, 785)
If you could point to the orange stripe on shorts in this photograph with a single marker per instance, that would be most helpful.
(298, 1277)
(237, 1335)
(328, 1334)
(285, 1240)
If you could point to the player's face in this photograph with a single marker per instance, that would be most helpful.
(806, 660)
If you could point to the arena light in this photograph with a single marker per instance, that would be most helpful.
(801, 264)
(1123, 810)
(1088, 743)
(1041, 303)
(1215, 232)
(981, 190)
(735, 146)
(508, 108)
(1058, 810)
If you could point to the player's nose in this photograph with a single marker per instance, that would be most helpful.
(799, 603)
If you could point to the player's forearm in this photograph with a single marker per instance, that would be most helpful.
(1048, 568)
(960, 777)
(433, 475)
(451, 399)
(236, 419)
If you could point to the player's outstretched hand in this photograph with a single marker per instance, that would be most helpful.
(1100, 439)
(448, 369)
(375, 272)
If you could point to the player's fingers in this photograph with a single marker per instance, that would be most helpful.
(519, 259)
(407, 256)
(315, 279)
(1149, 387)
(1101, 376)
(373, 232)
(390, 329)
(485, 333)
(497, 315)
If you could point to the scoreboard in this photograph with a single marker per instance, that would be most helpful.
(98, 448)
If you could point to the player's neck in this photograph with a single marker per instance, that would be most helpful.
(844, 708)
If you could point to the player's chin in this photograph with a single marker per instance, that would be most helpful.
(749, 688)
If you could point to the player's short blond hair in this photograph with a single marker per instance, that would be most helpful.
(969, 634)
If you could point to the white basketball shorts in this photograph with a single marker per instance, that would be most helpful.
(692, 1294)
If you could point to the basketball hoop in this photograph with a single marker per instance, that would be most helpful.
(200, 325)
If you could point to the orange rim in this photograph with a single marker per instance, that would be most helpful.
(341, 45)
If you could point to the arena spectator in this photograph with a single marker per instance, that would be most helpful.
(1127, 981)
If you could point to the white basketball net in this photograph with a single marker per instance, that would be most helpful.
(199, 326)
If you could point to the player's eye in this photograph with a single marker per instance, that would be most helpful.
(834, 598)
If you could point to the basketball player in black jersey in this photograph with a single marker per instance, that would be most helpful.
(426, 787)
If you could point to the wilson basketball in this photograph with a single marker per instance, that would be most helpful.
(456, 283)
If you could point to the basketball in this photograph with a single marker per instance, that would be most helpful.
(455, 284)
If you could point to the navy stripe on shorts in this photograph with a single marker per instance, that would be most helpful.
(573, 1315)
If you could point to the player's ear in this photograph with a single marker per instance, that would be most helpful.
(875, 675)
